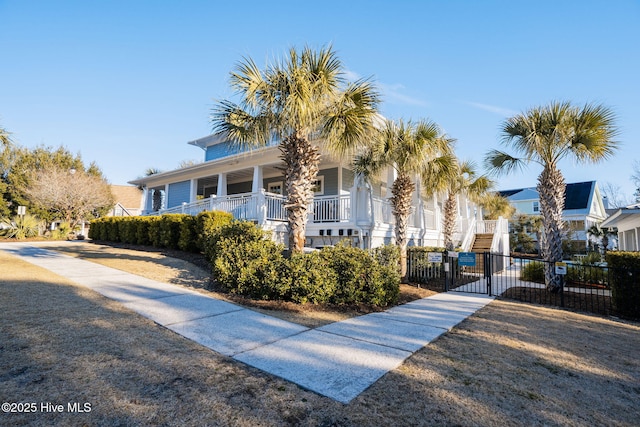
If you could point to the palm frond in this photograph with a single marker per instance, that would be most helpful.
(369, 164)
(439, 173)
(350, 121)
(5, 137)
(240, 126)
(499, 162)
(594, 134)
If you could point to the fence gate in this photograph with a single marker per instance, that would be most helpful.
(468, 272)
(451, 271)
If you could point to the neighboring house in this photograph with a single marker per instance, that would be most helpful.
(250, 185)
(127, 201)
(583, 206)
(627, 221)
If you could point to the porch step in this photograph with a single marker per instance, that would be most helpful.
(481, 244)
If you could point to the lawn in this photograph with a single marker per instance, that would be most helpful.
(510, 364)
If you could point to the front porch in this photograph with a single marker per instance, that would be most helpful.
(367, 220)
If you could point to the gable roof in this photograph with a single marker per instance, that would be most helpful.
(577, 195)
(508, 193)
(127, 196)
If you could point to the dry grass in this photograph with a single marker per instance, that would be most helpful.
(510, 364)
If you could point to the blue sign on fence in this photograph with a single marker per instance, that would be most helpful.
(467, 259)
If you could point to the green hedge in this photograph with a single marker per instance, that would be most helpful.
(624, 276)
(207, 225)
(173, 231)
(361, 279)
(246, 262)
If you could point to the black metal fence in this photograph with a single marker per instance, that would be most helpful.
(583, 287)
(442, 272)
(586, 288)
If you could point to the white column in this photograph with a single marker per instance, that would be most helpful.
(165, 201)
(417, 204)
(222, 185)
(145, 200)
(193, 191)
(340, 179)
(257, 179)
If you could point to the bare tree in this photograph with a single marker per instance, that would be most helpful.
(71, 195)
(635, 177)
(615, 198)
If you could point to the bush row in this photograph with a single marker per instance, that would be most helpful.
(246, 262)
(173, 231)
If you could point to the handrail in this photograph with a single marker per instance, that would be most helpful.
(468, 237)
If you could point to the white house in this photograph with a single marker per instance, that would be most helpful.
(249, 184)
(627, 221)
(583, 206)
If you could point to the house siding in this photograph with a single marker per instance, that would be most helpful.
(330, 181)
(179, 192)
(347, 179)
(222, 150)
(228, 148)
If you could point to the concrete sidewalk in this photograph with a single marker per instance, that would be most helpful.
(339, 360)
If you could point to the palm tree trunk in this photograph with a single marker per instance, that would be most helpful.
(402, 191)
(551, 187)
(301, 160)
(157, 200)
(450, 214)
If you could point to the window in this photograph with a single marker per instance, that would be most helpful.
(536, 206)
(318, 186)
(275, 187)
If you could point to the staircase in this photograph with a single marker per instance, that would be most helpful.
(481, 244)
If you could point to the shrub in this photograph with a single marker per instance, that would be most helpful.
(309, 279)
(169, 230)
(21, 227)
(245, 262)
(387, 255)
(187, 241)
(624, 278)
(207, 225)
(143, 229)
(112, 232)
(98, 229)
(126, 229)
(533, 272)
(361, 279)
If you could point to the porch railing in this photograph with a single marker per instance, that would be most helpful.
(383, 213)
(332, 208)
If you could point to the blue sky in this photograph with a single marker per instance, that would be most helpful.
(128, 83)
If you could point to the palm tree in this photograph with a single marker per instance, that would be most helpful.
(407, 147)
(156, 203)
(301, 100)
(495, 205)
(447, 174)
(546, 135)
(601, 236)
(5, 138)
